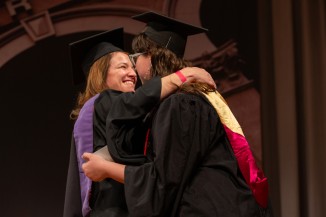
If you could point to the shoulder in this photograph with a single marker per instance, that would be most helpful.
(86, 112)
(187, 102)
(107, 94)
(89, 104)
(186, 98)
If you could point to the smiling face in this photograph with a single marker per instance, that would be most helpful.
(121, 75)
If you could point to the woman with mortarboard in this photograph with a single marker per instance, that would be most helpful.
(201, 163)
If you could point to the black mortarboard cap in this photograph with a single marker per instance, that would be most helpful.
(168, 32)
(85, 52)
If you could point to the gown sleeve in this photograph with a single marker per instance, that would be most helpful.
(125, 126)
(182, 133)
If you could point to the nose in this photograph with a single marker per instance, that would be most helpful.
(132, 72)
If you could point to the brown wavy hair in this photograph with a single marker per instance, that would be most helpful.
(165, 62)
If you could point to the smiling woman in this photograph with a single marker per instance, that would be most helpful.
(104, 65)
(121, 75)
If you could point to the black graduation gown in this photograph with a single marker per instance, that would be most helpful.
(108, 196)
(194, 171)
(72, 204)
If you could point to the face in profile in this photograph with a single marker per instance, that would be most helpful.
(143, 67)
(121, 74)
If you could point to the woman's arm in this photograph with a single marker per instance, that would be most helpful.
(127, 112)
(190, 74)
(97, 169)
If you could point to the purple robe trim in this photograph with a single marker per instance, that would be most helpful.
(83, 135)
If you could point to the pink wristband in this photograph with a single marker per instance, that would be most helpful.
(181, 76)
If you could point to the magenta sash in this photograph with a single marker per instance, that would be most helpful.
(253, 176)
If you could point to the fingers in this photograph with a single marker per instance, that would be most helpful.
(207, 77)
(212, 82)
(210, 79)
(196, 74)
(86, 156)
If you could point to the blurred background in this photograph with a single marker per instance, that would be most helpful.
(267, 57)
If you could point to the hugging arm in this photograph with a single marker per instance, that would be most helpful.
(124, 125)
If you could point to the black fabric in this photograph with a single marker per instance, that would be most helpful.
(168, 32)
(108, 198)
(194, 172)
(73, 204)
